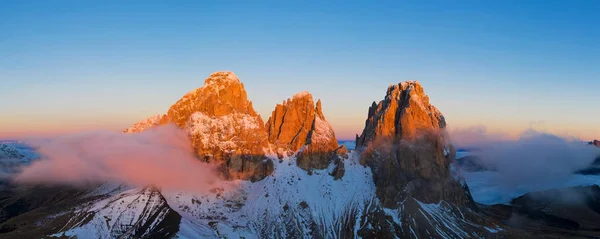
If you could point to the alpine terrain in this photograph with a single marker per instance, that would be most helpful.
(286, 178)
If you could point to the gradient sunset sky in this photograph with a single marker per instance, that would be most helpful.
(67, 66)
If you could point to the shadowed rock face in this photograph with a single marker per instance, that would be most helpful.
(595, 143)
(575, 204)
(298, 123)
(408, 149)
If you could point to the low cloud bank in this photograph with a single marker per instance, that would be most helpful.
(537, 158)
(475, 137)
(534, 161)
(161, 156)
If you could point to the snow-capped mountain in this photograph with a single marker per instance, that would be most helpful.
(286, 178)
(223, 127)
(8, 151)
(13, 156)
(298, 197)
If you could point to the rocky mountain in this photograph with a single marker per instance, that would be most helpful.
(299, 125)
(7, 151)
(405, 144)
(135, 213)
(297, 182)
(559, 213)
(223, 127)
(595, 143)
(107, 211)
(13, 156)
(145, 124)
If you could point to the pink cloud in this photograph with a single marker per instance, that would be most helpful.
(161, 156)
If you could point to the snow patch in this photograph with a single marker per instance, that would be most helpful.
(144, 124)
(220, 131)
(301, 95)
(290, 193)
(323, 133)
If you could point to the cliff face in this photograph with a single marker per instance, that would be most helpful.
(222, 125)
(396, 184)
(299, 125)
(222, 94)
(291, 122)
(405, 143)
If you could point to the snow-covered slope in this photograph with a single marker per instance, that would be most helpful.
(144, 124)
(135, 213)
(290, 203)
(220, 132)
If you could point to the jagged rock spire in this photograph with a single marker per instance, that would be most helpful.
(298, 123)
(405, 143)
(223, 126)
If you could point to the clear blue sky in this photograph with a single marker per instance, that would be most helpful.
(80, 65)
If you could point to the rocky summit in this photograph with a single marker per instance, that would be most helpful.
(223, 127)
(405, 143)
(595, 143)
(397, 183)
(298, 124)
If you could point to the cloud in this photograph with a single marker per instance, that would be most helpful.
(474, 137)
(537, 159)
(161, 156)
(532, 162)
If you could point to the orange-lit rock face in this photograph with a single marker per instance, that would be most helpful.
(223, 126)
(298, 122)
(408, 149)
(222, 94)
(290, 123)
(404, 113)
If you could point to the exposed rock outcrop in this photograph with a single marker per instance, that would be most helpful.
(299, 125)
(9, 152)
(405, 145)
(408, 149)
(223, 127)
(595, 143)
(145, 124)
(557, 213)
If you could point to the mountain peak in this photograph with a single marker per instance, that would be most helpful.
(392, 116)
(302, 94)
(405, 143)
(221, 78)
(298, 122)
(222, 94)
(222, 125)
